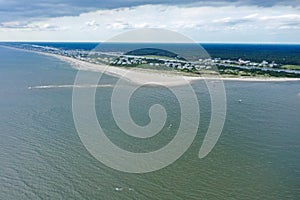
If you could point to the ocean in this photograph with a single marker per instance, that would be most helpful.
(42, 156)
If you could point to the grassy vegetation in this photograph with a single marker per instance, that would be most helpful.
(291, 67)
(255, 72)
(159, 57)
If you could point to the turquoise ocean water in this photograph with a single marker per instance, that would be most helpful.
(42, 157)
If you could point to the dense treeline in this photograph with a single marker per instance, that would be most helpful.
(281, 54)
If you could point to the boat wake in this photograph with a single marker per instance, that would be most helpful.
(68, 86)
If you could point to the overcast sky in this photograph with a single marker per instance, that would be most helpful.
(249, 21)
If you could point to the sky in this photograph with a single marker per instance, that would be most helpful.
(225, 21)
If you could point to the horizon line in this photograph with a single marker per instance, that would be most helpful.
(198, 42)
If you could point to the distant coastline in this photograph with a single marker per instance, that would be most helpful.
(151, 76)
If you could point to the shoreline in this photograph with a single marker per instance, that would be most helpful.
(150, 76)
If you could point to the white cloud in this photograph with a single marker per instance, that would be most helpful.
(91, 23)
(251, 16)
(20, 26)
(204, 23)
(292, 17)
